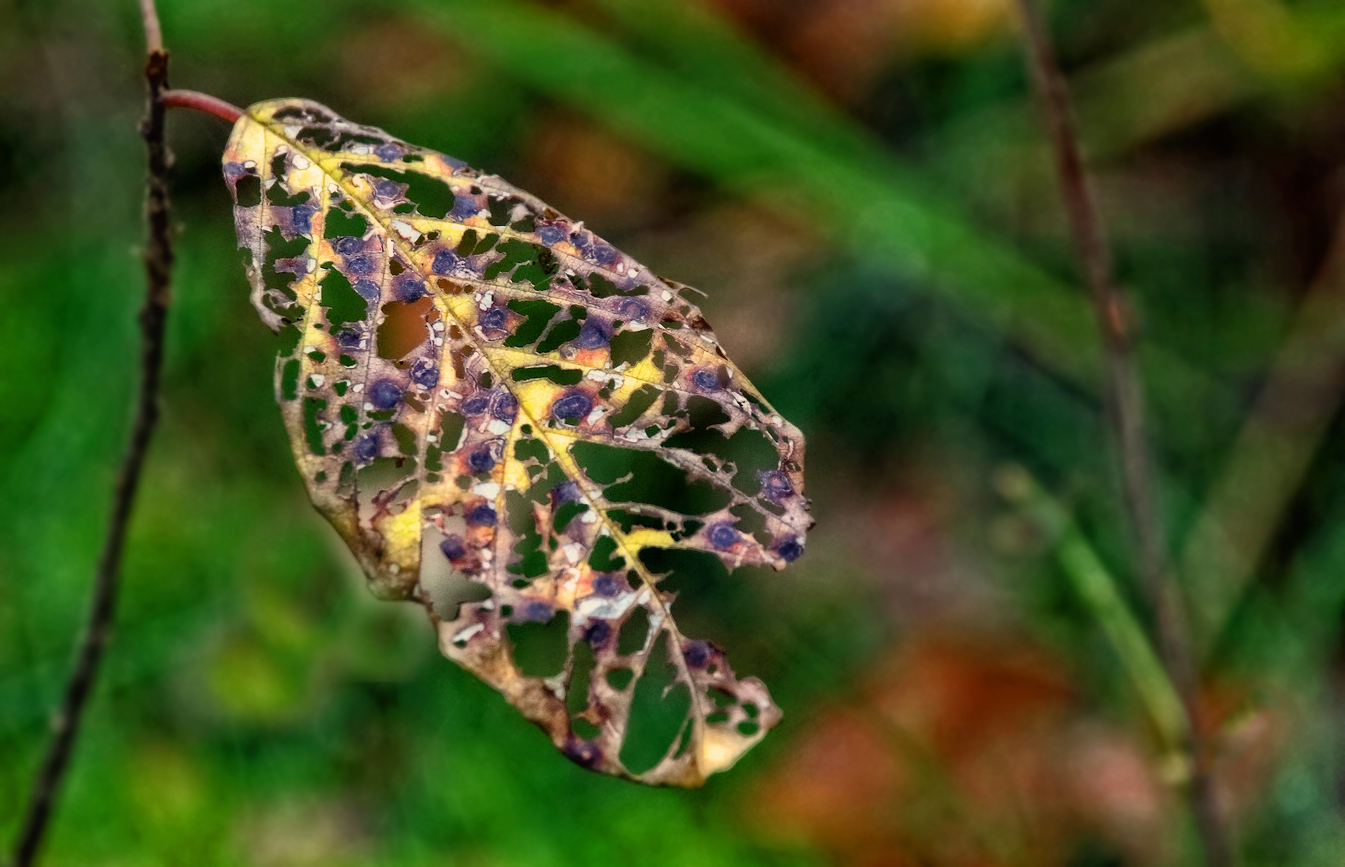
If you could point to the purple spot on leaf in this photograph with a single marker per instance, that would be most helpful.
(347, 246)
(536, 612)
(423, 373)
(367, 289)
(464, 207)
(366, 448)
(408, 287)
(390, 152)
(360, 266)
(444, 262)
(384, 394)
(633, 311)
(476, 404)
(565, 492)
(775, 485)
(301, 217)
(586, 754)
(571, 406)
(453, 547)
(482, 460)
(603, 254)
(722, 536)
(597, 633)
(481, 516)
(506, 407)
(707, 380)
(606, 585)
(698, 653)
(790, 550)
(591, 336)
(494, 322)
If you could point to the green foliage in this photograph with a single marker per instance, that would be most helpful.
(884, 261)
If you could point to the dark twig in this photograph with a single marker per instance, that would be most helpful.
(98, 629)
(1125, 399)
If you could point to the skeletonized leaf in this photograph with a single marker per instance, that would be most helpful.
(474, 381)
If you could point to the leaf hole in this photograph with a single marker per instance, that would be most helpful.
(636, 405)
(561, 332)
(658, 714)
(552, 372)
(537, 314)
(289, 379)
(313, 424)
(336, 224)
(566, 513)
(644, 477)
(630, 347)
(451, 426)
(405, 327)
(634, 633)
(342, 302)
(500, 208)
(540, 647)
(577, 689)
(603, 557)
(446, 588)
(431, 196)
(248, 191)
(721, 698)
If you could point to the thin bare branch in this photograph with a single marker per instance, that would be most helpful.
(1125, 399)
(102, 608)
(149, 16)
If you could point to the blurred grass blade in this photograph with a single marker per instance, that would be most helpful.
(1269, 461)
(854, 194)
(705, 49)
(1097, 589)
(729, 119)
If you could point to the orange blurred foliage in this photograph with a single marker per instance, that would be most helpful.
(964, 752)
(845, 45)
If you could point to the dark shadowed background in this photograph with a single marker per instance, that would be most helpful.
(862, 190)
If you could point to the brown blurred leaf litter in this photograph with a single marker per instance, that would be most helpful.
(477, 387)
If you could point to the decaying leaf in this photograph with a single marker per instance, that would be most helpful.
(474, 381)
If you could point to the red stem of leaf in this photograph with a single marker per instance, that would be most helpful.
(201, 102)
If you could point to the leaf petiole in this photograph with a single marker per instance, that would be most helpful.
(201, 102)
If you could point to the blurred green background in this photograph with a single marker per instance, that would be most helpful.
(861, 187)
